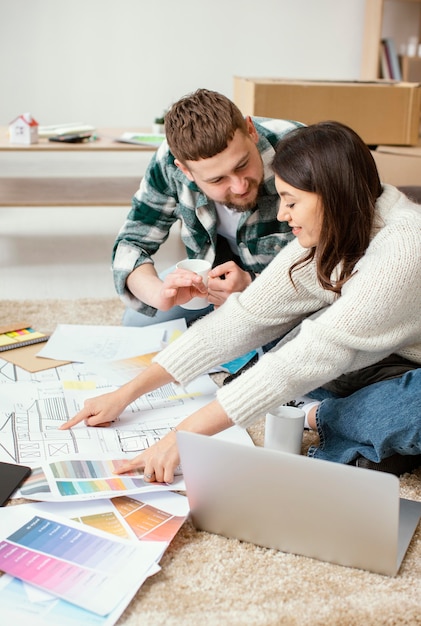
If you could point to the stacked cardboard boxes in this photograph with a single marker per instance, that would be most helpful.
(399, 165)
(380, 112)
(385, 114)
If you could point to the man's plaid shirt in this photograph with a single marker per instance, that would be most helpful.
(166, 195)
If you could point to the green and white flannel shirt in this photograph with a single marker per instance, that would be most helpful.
(166, 195)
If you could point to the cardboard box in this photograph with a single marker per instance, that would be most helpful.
(399, 165)
(380, 112)
(411, 68)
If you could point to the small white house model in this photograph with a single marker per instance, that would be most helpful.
(23, 130)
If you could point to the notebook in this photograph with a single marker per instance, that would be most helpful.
(328, 511)
(19, 346)
(18, 335)
(11, 477)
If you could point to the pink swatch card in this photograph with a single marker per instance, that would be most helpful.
(77, 564)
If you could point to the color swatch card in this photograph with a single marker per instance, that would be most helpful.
(23, 604)
(80, 565)
(154, 516)
(88, 479)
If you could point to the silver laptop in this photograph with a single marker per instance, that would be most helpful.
(336, 513)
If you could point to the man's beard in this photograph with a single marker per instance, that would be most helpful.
(241, 208)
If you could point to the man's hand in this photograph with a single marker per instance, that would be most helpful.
(220, 288)
(177, 288)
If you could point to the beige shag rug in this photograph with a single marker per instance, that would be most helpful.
(209, 580)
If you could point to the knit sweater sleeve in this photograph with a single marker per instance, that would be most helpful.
(362, 326)
(365, 324)
(242, 323)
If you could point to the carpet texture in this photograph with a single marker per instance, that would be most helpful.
(209, 580)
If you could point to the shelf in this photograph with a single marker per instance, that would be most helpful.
(68, 191)
(387, 18)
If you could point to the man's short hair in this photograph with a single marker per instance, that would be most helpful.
(201, 124)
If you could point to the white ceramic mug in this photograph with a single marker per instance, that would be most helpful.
(284, 429)
(201, 267)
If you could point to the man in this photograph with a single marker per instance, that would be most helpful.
(213, 174)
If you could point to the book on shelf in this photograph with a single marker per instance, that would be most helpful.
(392, 58)
(142, 139)
(386, 70)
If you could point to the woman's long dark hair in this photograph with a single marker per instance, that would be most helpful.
(331, 160)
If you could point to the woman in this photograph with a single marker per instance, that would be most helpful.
(349, 285)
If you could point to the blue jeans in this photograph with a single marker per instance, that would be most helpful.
(134, 318)
(375, 422)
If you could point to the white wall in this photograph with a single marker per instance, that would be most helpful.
(121, 62)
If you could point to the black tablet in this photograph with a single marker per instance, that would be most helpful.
(11, 477)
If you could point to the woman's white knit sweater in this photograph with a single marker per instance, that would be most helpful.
(377, 314)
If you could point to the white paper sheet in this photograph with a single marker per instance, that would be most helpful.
(31, 413)
(34, 406)
(85, 343)
(30, 416)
